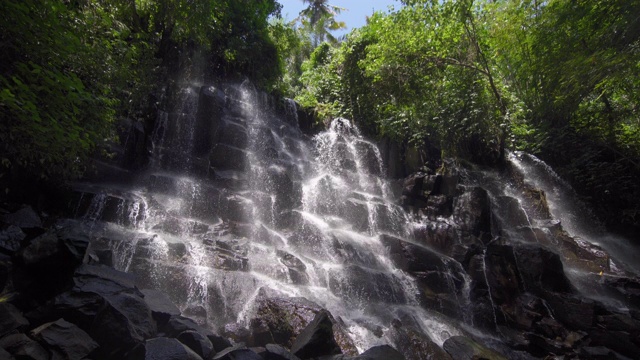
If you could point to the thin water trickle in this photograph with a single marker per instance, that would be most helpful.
(574, 216)
(489, 295)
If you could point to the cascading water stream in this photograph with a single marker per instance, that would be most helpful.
(238, 205)
(309, 221)
(575, 216)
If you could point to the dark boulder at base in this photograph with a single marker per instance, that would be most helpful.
(197, 342)
(415, 345)
(178, 325)
(21, 346)
(463, 348)
(11, 319)
(10, 239)
(382, 352)
(280, 320)
(49, 262)
(316, 339)
(65, 339)
(161, 306)
(4, 355)
(277, 352)
(238, 352)
(163, 348)
(25, 218)
(542, 269)
(107, 305)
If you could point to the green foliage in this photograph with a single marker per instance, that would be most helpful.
(319, 20)
(62, 73)
(71, 69)
(557, 78)
(411, 75)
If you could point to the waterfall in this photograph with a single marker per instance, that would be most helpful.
(238, 205)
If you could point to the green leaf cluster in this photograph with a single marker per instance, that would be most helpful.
(557, 78)
(64, 70)
(71, 70)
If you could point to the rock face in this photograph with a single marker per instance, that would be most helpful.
(66, 339)
(316, 339)
(513, 260)
(237, 217)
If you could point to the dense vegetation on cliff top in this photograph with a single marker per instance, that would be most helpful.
(560, 79)
(557, 78)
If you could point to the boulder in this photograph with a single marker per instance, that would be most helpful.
(573, 311)
(412, 187)
(179, 324)
(125, 320)
(233, 134)
(20, 346)
(277, 352)
(10, 239)
(228, 157)
(370, 160)
(362, 285)
(163, 348)
(25, 218)
(5, 355)
(502, 274)
(6, 266)
(197, 342)
(542, 270)
(211, 100)
(316, 339)
(596, 353)
(463, 348)
(50, 260)
(411, 257)
(381, 352)
(160, 305)
(283, 318)
(65, 338)
(619, 341)
(414, 344)
(104, 280)
(472, 213)
(11, 319)
(238, 352)
(107, 305)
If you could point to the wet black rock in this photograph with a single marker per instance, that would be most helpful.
(238, 352)
(542, 270)
(6, 266)
(382, 352)
(277, 352)
(65, 339)
(228, 157)
(596, 353)
(20, 346)
(316, 339)
(11, 319)
(163, 348)
(161, 306)
(413, 344)
(197, 342)
(25, 218)
(10, 239)
(108, 306)
(463, 348)
(472, 213)
(49, 261)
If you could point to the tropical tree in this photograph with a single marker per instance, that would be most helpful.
(319, 19)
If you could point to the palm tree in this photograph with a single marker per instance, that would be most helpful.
(319, 17)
